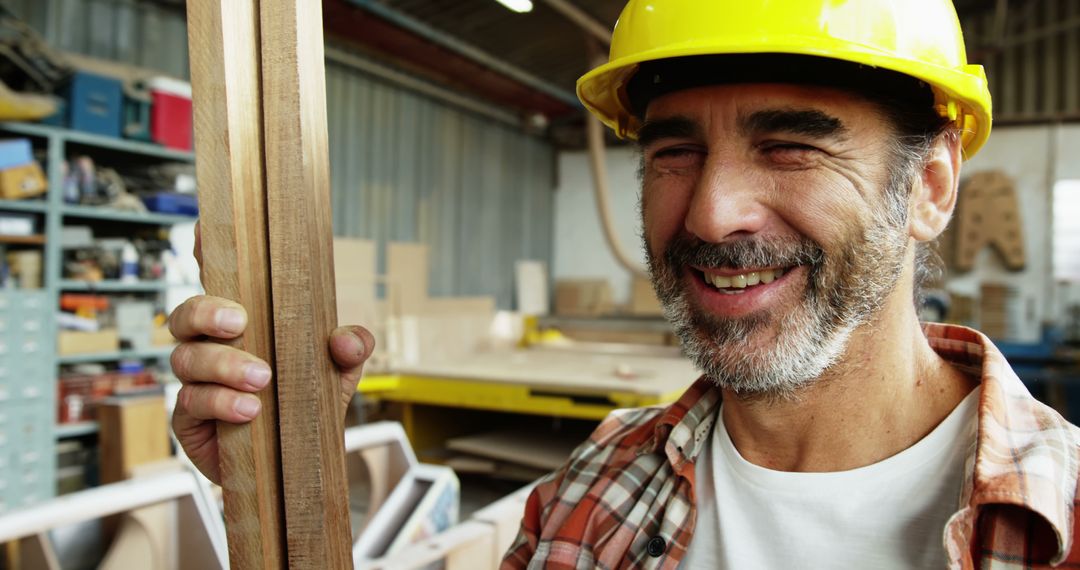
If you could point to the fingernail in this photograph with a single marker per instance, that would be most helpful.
(257, 375)
(230, 321)
(248, 406)
(361, 348)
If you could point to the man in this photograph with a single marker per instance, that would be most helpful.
(796, 158)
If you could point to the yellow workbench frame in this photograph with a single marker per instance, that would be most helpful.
(429, 427)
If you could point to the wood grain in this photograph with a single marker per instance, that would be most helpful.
(223, 39)
(301, 247)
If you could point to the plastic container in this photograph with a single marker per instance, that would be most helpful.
(170, 114)
(94, 104)
(129, 264)
(172, 203)
(137, 118)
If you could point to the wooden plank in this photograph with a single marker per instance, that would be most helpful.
(310, 406)
(37, 239)
(223, 39)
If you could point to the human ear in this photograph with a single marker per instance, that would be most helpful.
(934, 192)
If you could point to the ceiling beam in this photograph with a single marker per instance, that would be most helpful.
(578, 16)
(403, 37)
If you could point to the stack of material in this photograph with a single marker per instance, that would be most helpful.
(409, 326)
(997, 307)
(512, 454)
(583, 298)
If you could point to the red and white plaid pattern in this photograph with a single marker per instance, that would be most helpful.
(625, 499)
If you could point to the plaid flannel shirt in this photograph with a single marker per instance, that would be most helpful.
(625, 499)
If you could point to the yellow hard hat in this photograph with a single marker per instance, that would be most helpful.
(917, 38)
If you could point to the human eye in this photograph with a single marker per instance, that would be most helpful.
(677, 157)
(789, 152)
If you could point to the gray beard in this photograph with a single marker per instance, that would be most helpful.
(843, 291)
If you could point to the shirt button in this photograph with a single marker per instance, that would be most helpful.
(656, 546)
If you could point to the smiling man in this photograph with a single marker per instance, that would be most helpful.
(797, 156)
(796, 159)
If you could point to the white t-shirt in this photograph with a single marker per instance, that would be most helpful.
(891, 514)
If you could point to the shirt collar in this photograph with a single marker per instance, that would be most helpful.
(685, 425)
(1025, 454)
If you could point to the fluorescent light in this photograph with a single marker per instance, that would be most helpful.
(518, 6)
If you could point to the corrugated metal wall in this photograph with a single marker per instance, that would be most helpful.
(405, 167)
(409, 168)
(1032, 58)
(140, 33)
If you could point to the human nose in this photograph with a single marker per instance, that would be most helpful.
(726, 203)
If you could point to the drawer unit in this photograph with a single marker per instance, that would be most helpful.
(27, 399)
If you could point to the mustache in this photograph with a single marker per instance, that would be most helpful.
(749, 253)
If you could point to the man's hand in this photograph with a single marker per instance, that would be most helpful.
(219, 381)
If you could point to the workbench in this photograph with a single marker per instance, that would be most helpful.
(438, 401)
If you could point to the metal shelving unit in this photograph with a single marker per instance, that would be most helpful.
(28, 416)
(79, 429)
(110, 215)
(113, 286)
(148, 354)
(36, 206)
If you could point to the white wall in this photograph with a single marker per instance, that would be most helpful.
(580, 248)
(1035, 157)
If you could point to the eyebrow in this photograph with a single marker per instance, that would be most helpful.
(667, 127)
(806, 122)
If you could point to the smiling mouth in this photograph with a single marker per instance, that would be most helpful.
(738, 284)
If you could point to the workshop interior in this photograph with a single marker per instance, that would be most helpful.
(483, 231)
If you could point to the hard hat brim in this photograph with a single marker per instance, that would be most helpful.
(961, 96)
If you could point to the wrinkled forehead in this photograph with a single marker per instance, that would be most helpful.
(752, 109)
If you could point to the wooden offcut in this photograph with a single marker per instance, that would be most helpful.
(989, 214)
(223, 40)
(310, 405)
(263, 171)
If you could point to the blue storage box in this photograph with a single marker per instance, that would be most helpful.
(172, 203)
(95, 104)
(15, 152)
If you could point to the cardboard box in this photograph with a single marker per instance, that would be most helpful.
(161, 336)
(583, 298)
(24, 181)
(26, 267)
(77, 342)
(643, 301)
(15, 152)
(134, 321)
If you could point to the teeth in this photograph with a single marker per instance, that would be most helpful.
(745, 280)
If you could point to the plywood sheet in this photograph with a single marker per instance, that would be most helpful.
(532, 288)
(546, 451)
(355, 275)
(989, 214)
(565, 371)
(407, 274)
